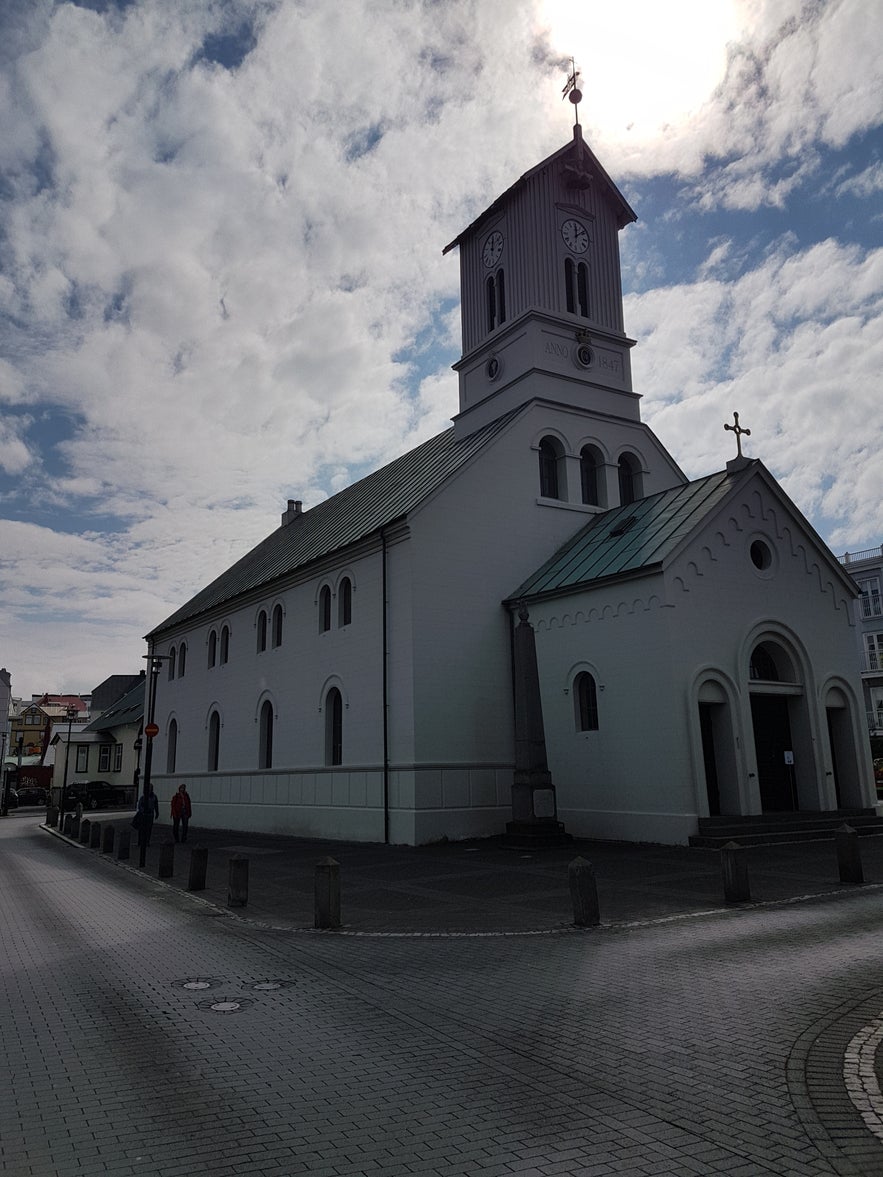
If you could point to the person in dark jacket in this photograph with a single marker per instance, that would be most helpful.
(182, 811)
(145, 815)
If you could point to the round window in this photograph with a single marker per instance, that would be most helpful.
(761, 556)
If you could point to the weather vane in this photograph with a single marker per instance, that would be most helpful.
(571, 88)
(738, 430)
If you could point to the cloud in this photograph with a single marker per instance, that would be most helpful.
(221, 281)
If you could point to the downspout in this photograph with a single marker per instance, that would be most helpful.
(385, 690)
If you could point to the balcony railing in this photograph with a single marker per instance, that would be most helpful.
(857, 557)
(875, 722)
(872, 663)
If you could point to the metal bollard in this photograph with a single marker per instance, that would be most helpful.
(52, 816)
(85, 831)
(107, 837)
(75, 827)
(95, 835)
(198, 868)
(583, 893)
(123, 845)
(237, 884)
(166, 860)
(849, 855)
(734, 869)
(326, 911)
(68, 824)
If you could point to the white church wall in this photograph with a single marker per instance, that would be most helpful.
(300, 793)
(630, 779)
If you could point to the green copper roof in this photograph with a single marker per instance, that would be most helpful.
(353, 514)
(628, 539)
(128, 709)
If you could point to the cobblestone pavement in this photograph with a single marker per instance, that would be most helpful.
(147, 1032)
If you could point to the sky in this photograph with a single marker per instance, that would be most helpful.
(222, 283)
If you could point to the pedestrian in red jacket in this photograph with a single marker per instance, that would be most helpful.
(181, 813)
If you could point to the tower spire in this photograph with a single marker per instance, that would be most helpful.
(572, 90)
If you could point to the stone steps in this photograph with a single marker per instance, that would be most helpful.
(768, 828)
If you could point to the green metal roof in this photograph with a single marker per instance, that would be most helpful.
(353, 514)
(128, 709)
(628, 539)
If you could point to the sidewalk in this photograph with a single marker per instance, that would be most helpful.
(482, 886)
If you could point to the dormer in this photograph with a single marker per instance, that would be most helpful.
(541, 293)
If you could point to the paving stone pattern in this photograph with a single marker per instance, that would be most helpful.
(710, 1045)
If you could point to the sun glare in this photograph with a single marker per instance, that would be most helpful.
(645, 67)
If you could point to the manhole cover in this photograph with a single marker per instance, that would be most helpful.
(270, 986)
(226, 1006)
(196, 983)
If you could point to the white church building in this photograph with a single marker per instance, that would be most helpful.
(352, 676)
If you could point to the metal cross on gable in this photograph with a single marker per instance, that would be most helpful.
(738, 430)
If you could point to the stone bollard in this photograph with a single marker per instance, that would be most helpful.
(198, 868)
(95, 835)
(85, 831)
(166, 860)
(583, 893)
(237, 884)
(68, 824)
(849, 855)
(52, 816)
(327, 894)
(734, 869)
(124, 843)
(107, 837)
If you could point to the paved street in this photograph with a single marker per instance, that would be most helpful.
(146, 1031)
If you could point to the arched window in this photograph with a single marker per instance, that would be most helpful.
(333, 727)
(762, 667)
(262, 631)
(585, 700)
(265, 750)
(629, 479)
(589, 470)
(325, 609)
(214, 741)
(550, 455)
(576, 287)
(172, 746)
(277, 625)
(345, 602)
(495, 289)
(172, 662)
(182, 659)
(212, 649)
(225, 644)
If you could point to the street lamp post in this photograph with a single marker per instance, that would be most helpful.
(70, 711)
(154, 665)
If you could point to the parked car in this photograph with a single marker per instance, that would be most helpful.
(32, 795)
(93, 795)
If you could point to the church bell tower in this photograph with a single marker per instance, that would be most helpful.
(541, 294)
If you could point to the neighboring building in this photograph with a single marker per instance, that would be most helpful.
(866, 569)
(35, 720)
(351, 676)
(116, 753)
(5, 709)
(109, 692)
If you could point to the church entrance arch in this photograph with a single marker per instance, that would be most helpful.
(844, 761)
(782, 739)
(718, 749)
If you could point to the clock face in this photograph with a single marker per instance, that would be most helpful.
(575, 236)
(492, 248)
